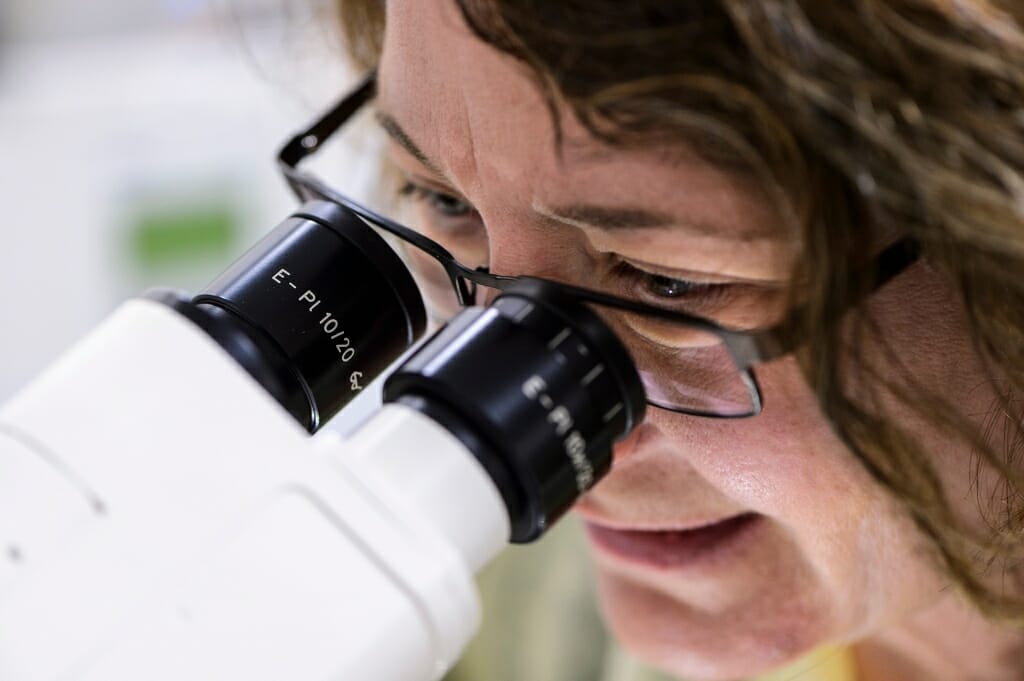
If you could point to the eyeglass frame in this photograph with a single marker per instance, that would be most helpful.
(747, 348)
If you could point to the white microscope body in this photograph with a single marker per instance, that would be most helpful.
(161, 517)
(164, 516)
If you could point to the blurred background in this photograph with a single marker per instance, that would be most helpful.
(137, 146)
(137, 143)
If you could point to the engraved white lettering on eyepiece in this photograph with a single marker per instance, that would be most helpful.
(562, 420)
(575, 445)
(557, 340)
(344, 347)
(330, 325)
(310, 297)
(533, 386)
(576, 449)
(591, 375)
(612, 412)
(354, 380)
(522, 314)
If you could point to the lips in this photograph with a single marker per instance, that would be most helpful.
(675, 549)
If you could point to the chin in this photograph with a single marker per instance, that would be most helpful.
(703, 643)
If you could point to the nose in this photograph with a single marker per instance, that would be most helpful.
(517, 250)
(644, 438)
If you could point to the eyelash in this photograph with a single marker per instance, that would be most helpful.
(434, 199)
(692, 294)
(697, 297)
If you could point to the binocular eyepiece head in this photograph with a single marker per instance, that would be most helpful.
(534, 385)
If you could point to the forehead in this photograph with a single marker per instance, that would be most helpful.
(459, 99)
(479, 115)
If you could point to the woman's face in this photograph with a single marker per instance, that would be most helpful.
(723, 547)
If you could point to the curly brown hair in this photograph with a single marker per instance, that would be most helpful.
(866, 118)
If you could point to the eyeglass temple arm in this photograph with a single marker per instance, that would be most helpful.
(308, 141)
(751, 349)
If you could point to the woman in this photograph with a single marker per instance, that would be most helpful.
(749, 162)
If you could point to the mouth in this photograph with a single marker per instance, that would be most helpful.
(676, 549)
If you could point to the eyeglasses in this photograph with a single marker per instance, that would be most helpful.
(688, 364)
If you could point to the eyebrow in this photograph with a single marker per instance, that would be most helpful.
(607, 218)
(401, 137)
(611, 219)
(576, 215)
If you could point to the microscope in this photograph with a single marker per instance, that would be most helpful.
(167, 515)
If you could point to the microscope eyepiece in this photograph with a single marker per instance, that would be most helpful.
(537, 387)
(315, 311)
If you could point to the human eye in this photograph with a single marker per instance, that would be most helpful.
(449, 220)
(737, 304)
(672, 293)
(442, 203)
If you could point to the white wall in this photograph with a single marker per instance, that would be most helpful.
(98, 128)
(49, 19)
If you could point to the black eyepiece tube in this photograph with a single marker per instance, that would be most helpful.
(537, 387)
(315, 311)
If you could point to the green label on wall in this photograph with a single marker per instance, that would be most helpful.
(168, 237)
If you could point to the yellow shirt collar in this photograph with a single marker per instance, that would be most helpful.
(828, 663)
(824, 664)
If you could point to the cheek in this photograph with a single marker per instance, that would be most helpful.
(837, 559)
(789, 465)
(751, 631)
(785, 463)
(831, 557)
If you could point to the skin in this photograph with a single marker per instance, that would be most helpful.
(831, 557)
